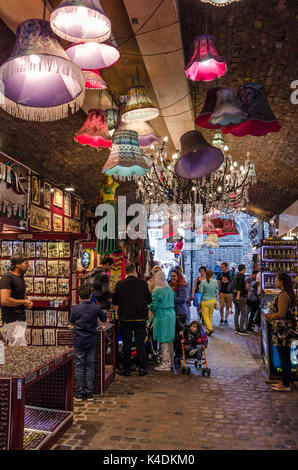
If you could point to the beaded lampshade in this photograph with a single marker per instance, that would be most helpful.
(94, 80)
(40, 83)
(95, 130)
(93, 55)
(139, 107)
(259, 119)
(198, 158)
(76, 20)
(206, 64)
(203, 118)
(146, 134)
(220, 3)
(126, 160)
(228, 109)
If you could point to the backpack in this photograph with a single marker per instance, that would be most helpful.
(232, 287)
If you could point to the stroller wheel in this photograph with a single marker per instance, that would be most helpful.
(188, 371)
(196, 364)
(208, 372)
(203, 371)
(183, 370)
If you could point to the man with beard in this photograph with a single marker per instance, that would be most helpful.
(14, 303)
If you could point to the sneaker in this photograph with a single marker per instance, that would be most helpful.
(280, 388)
(162, 367)
(243, 333)
(221, 323)
(226, 323)
(78, 398)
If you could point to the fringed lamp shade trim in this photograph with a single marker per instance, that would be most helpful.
(91, 55)
(95, 130)
(206, 64)
(259, 119)
(76, 20)
(139, 107)
(40, 83)
(94, 80)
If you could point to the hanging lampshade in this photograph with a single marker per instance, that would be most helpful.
(212, 240)
(259, 119)
(206, 64)
(112, 118)
(139, 107)
(210, 102)
(126, 160)
(93, 55)
(218, 141)
(94, 80)
(220, 3)
(146, 134)
(40, 83)
(198, 158)
(76, 20)
(95, 130)
(227, 110)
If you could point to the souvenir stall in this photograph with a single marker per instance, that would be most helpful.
(276, 256)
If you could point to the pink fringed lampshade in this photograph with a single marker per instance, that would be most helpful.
(40, 83)
(93, 55)
(206, 64)
(95, 130)
(228, 109)
(198, 158)
(259, 119)
(76, 20)
(210, 102)
(94, 80)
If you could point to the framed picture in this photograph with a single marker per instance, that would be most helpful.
(37, 337)
(53, 270)
(51, 317)
(67, 205)
(30, 249)
(18, 248)
(47, 195)
(57, 223)
(62, 319)
(29, 317)
(53, 250)
(31, 268)
(39, 285)
(51, 286)
(35, 190)
(49, 337)
(64, 250)
(6, 249)
(63, 286)
(68, 225)
(2, 171)
(64, 270)
(58, 198)
(29, 285)
(28, 336)
(77, 208)
(38, 318)
(41, 250)
(40, 268)
(40, 219)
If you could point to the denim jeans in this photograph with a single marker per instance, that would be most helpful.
(139, 329)
(240, 310)
(284, 355)
(84, 371)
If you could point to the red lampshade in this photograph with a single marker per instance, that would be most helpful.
(259, 119)
(94, 80)
(95, 130)
(206, 64)
(210, 102)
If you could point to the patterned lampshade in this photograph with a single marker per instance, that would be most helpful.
(94, 80)
(126, 160)
(40, 83)
(76, 20)
(92, 55)
(210, 102)
(259, 119)
(206, 64)
(227, 110)
(146, 134)
(95, 130)
(112, 118)
(139, 107)
(198, 158)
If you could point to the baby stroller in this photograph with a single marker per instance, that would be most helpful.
(198, 359)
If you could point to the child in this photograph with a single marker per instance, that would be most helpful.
(194, 338)
(85, 319)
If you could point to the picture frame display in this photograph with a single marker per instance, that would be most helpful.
(67, 205)
(58, 198)
(29, 285)
(51, 286)
(53, 250)
(30, 249)
(63, 286)
(64, 268)
(57, 223)
(6, 249)
(62, 320)
(77, 208)
(40, 219)
(51, 318)
(35, 190)
(53, 269)
(41, 268)
(47, 202)
(31, 268)
(18, 248)
(39, 285)
(41, 250)
(64, 250)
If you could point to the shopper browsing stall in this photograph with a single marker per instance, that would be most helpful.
(85, 319)
(99, 281)
(14, 302)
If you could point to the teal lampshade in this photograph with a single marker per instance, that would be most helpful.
(126, 160)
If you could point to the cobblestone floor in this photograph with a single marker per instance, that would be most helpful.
(232, 409)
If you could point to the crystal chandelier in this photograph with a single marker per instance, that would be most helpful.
(226, 189)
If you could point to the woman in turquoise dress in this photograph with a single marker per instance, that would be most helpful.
(164, 319)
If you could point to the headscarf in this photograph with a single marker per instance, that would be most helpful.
(151, 282)
(180, 282)
(160, 280)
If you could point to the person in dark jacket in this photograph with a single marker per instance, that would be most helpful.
(85, 319)
(239, 299)
(132, 296)
(181, 290)
(99, 282)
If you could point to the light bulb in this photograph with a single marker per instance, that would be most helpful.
(241, 168)
(193, 188)
(232, 168)
(174, 156)
(165, 139)
(226, 148)
(152, 147)
(219, 189)
(34, 59)
(235, 164)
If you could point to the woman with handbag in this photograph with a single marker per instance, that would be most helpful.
(282, 319)
(196, 296)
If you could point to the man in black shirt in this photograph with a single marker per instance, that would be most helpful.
(240, 297)
(132, 296)
(14, 303)
(225, 296)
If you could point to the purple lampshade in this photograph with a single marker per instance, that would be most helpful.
(198, 158)
(76, 20)
(202, 120)
(93, 55)
(40, 82)
(206, 64)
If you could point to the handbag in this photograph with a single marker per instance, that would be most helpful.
(197, 300)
